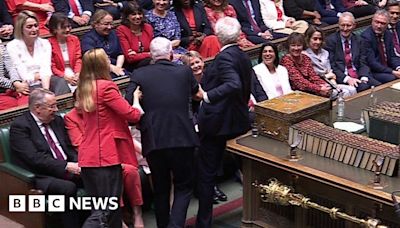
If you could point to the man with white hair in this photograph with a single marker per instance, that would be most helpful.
(224, 113)
(167, 131)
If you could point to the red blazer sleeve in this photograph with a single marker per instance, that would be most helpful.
(73, 121)
(77, 53)
(113, 99)
(57, 67)
(296, 78)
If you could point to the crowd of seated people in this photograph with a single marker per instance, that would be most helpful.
(189, 24)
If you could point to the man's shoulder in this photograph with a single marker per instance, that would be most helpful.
(21, 120)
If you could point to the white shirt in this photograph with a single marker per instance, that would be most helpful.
(26, 64)
(52, 134)
(269, 81)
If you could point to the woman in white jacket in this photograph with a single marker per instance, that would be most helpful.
(273, 77)
(274, 17)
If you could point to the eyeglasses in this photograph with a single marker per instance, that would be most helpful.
(52, 107)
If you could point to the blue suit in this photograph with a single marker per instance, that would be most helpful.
(227, 83)
(334, 46)
(243, 18)
(329, 15)
(379, 71)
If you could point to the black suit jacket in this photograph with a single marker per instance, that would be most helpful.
(202, 23)
(5, 17)
(167, 96)
(295, 8)
(373, 57)
(227, 83)
(337, 56)
(30, 149)
(63, 6)
(243, 18)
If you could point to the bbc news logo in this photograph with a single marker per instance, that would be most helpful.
(57, 203)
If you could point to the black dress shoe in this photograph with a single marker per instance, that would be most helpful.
(220, 194)
(215, 199)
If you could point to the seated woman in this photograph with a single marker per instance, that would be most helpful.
(359, 8)
(302, 10)
(6, 23)
(66, 59)
(31, 55)
(320, 59)
(103, 36)
(131, 179)
(216, 9)
(12, 91)
(273, 77)
(135, 36)
(165, 24)
(195, 28)
(274, 17)
(42, 9)
(301, 73)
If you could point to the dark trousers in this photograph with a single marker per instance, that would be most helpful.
(384, 77)
(103, 182)
(209, 160)
(361, 11)
(330, 20)
(365, 86)
(56, 186)
(177, 162)
(259, 40)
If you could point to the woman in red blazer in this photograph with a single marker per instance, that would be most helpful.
(67, 65)
(135, 36)
(106, 142)
(132, 188)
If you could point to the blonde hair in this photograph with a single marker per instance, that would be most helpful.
(189, 55)
(95, 65)
(98, 16)
(20, 22)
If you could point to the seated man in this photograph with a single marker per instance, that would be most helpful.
(329, 10)
(394, 25)
(383, 62)
(249, 16)
(39, 143)
(359, 8)
(347, 56)
(78, 11)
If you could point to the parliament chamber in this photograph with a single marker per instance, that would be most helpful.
(325, 181)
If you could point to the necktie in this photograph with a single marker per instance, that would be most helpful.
(395, 41)
(381, 49)
(52, 144)
(279, 12)
(74, 7)
(328, 4)
(347, 57)
(252, 21)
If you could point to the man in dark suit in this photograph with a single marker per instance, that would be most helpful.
(394, 25)
(6, 23)
(381, 59)
(78, 11)
(330, 10)
(224, 112)
(344, 43)
(39, 143)
(249, 16)
(167, 130)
